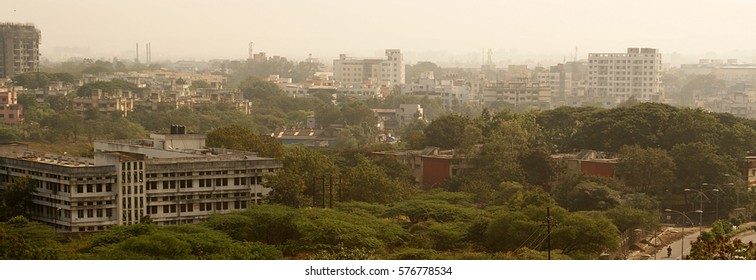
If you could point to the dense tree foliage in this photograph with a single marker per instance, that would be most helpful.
(37, 80)
(367, 182)
(108, 87)
(16, 199)
(239, 138)
(722, 248)
(646, 170)
(447, 132)
(21, 239)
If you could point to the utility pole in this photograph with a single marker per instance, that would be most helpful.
(330, 183)
(548, 225)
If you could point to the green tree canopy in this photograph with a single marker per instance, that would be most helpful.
(446, 132)
(240, 138)
(646, 170)
(108, 87)
(16, 199)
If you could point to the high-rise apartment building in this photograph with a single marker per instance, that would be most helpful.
(385, 71)
(615, 77)
(19, 49)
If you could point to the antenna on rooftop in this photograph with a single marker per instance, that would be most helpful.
(574, 57)
(137, 52)
(148, 53)
(251, 53)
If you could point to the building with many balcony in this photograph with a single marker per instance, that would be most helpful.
(615, 77)
(19, 49)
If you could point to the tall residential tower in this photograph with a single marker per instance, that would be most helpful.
(19, 49)
(615, 77)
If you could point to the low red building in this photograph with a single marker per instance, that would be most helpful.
(591, 163)
(435, 170)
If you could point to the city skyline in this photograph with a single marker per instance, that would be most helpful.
(424, 30)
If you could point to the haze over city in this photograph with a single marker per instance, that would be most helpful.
(448, 32)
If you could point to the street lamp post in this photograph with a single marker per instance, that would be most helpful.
(55, 218)
(718, 190)
(682, 239)
(701, 198)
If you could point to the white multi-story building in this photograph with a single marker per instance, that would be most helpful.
(387, 71)
(615, 77)
(170, 178)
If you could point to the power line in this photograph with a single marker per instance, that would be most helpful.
(548, 226)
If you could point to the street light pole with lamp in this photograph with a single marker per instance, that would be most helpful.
(682, 239)
(719, 189)
(701, 198)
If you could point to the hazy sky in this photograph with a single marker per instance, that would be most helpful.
(195, 29)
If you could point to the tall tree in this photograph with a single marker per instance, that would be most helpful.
(646, 170)
(16, 199)
(240, 138)
(367, 182)
(698, 163)
(447, 132)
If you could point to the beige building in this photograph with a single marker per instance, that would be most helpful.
(121, 102)
(170, 178)
(615, 77)
(388, 71)
(519, 95)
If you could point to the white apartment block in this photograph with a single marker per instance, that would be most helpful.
(615, 77)
(170, 178)
(387, 71)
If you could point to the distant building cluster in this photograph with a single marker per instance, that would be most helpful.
(604, 80)
(736, 96)
(169, 179)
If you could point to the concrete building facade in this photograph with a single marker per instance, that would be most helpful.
(19, 49)
(171, 178)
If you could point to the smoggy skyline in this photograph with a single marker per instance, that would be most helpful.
(423, 29)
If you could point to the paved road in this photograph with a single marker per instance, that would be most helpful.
(677, 246)
(748, 235)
